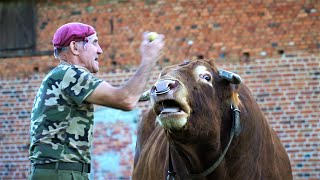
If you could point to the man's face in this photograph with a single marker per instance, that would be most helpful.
(89, 53)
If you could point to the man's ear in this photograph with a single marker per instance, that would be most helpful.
(74, 47)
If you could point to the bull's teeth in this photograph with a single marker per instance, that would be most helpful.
(170, 110)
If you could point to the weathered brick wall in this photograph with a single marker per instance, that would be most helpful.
(287, 88)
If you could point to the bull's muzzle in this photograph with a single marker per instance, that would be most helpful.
(163, 86)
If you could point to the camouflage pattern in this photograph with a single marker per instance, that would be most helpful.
(61, 121)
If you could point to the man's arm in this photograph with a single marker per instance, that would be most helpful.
(127, 96)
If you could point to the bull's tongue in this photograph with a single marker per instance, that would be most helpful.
(170, 110)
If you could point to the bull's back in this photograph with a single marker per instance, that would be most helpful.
(282, 162)
(273, 161)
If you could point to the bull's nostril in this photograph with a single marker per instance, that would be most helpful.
(164, 86)
(173, 84)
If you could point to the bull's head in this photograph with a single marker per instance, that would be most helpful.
(193, 91)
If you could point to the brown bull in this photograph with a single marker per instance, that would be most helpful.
(204, 124)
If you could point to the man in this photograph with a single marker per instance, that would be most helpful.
(62, 115)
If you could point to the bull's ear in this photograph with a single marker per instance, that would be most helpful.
(211, 62)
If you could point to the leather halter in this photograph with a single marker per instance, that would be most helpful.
(235, 131)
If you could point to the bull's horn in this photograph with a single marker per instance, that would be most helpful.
(230, 76)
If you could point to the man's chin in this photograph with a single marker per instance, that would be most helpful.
(95, 70)
(96, 67)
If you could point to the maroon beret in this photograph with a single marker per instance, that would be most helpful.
(74, 31)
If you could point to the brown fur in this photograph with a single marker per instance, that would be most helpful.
(256, 153)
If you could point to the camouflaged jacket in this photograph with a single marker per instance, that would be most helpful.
(61, 121)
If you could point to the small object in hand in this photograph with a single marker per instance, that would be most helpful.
(152, 36)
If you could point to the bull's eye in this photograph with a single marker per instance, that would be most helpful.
(206, 77)
(203, 75)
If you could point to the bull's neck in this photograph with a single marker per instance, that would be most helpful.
(194, 158)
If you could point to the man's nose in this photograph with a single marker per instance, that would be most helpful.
(99, 50)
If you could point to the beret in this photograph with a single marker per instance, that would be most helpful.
(74, 31)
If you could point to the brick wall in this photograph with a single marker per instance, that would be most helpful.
(281, 39)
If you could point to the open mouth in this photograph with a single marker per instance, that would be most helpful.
(167, 107)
